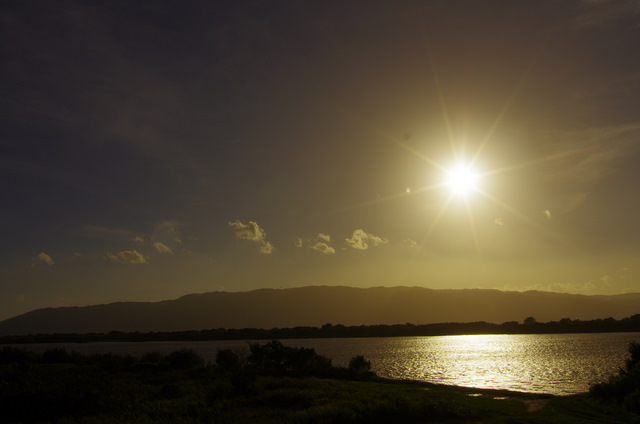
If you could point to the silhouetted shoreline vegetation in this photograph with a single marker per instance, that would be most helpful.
(529, 326)
(268, 383)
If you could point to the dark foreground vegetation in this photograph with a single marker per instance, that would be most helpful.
(529, 326)
(623, 387)
(270, 383)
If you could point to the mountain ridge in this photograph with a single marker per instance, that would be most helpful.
(317, 305)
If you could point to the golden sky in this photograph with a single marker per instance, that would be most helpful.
(151, 150)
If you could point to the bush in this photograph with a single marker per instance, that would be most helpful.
(227, 360)
(12, 355)
(275, 359)
(184, 359)
(625, 385)
(60, 356)
(359, 367)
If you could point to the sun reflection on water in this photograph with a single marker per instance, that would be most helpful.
(529, 363)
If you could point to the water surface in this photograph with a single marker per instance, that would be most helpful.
(539, 363)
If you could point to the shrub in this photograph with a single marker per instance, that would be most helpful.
(275, 359)
(184, 359)
(153, 357)
(360, 367)
(60, 356)
(12, 355)
(227, 360)
(625, 385)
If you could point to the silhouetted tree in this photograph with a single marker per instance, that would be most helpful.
(360, 367)
(625, 385)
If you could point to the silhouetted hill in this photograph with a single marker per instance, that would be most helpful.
(315, 306)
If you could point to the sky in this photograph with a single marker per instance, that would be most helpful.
(153, 149)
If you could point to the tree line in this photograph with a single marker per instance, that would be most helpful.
(529, 326)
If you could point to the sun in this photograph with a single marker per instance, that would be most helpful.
(461, 179)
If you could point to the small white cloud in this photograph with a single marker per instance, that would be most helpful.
(138, 239)
(266, 248)
(547, 213)
(498, 221)
(43, 258)
(127, 257)
(360, 240)
(162, 248)
(250, 231)
(323, 248)
(299, 242)
(324, 237)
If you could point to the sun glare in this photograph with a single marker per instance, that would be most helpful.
(462, 180)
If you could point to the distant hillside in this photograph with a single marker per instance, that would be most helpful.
(315, 306)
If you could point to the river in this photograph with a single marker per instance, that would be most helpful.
(558, 364)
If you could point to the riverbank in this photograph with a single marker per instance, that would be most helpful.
(65, 387)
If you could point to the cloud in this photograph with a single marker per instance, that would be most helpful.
(602, 285)
(360, 240)
(168, 230)
(266, 248)
(584, 157)
(324, 237)
(547, 213)
(252, 232)
(106, 233)
(162, 248)
(498, 221)
(323, 248)
(299, 242)
(43, 258)
(598, 13)
(409, 243)
(127, 257)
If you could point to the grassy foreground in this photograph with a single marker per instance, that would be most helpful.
(65, 387)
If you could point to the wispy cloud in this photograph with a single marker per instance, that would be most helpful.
(127, 257)
(409, 243)
(169, 231)
(498, 221)
(600, 285)
(324, 237)
(43, 258)
(252, 232)
(596, 13)
(360, 240)
(162, 248)
(106, 233)
(584, 157)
